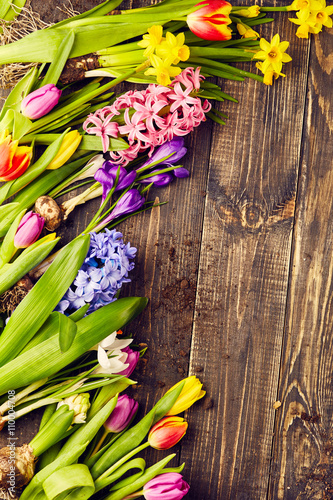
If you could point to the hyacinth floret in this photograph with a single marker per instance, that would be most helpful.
(105, 269)
(152, 116)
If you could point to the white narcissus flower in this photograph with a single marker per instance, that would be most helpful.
(110, 355)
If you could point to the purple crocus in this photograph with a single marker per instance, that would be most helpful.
(122, 414)
(129, 202)
(168, 486)
(40, 102)
(132, 360)
(107, 176)
(29, 229)
(175, 146)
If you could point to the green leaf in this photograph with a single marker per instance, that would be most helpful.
(12, 13)
(79, 314)
(89, 142)
(74, 482)
(31, 313)
(57, 65)
(67, 332)
(8, 249)
(21, 125)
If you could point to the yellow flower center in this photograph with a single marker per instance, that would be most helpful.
(272, 54)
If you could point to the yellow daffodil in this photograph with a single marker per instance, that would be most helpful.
(306, 26)
(273, 54)
(246, 32)
(322, 16)
(305, 5)
(68, 147)
(252, 11)
(162, 70)
(151, 40)
(269, 74)
(173, 50)
(191, 392)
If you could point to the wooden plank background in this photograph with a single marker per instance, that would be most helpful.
(238, 269)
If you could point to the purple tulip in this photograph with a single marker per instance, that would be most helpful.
(107, 176)
(176, 146)
(29, 229)
(40, 102)
(122, 415)
(168, 486)
(132, 360)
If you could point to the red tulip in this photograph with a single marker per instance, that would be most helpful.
(211, 22)
(14, 159)
(167, 432)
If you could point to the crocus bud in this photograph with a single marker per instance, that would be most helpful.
(130, 202)
(132, 360)
(175, 148)
(122, 415)
(40, 102)
(167, 432)
(211, 21)
(68, 147)
(29, 229)
(159, 180)
(190, 393)
(14, 159)
(167, 486)
(80, 404)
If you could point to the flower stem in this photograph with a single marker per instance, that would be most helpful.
(100, 442)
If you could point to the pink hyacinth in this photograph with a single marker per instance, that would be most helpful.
(152, 116)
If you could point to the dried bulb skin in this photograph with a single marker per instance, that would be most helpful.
(50, 211)
(10, 299)
(17, 467)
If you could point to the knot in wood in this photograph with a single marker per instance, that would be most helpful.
(253, 216)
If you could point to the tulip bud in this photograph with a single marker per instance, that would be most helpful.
(167, 432)
(80, 404)
(68, 147)
(14, 159)
(40, 102)
(29, 229)
(132, 360)
(211, 21)
(190, 393)
(122, 415)
(167, 486)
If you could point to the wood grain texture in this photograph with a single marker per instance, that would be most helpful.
(243, 280)
(302, 466)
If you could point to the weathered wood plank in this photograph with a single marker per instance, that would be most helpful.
(302, 464)
(243, 279)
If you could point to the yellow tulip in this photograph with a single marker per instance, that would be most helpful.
(68, 146)
(191, 392)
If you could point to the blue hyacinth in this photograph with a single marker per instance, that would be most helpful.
(102, 274)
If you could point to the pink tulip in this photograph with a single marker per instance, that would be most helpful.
(132, 360)
(29, 229)
(122, 415)
(167, 432)
(168, 486)
(40, 102)
(211, 21)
